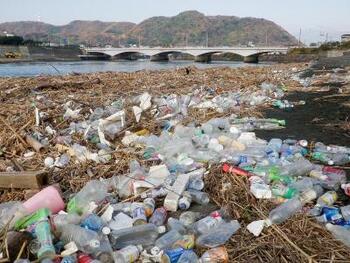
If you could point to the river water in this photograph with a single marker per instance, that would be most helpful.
(60, 68)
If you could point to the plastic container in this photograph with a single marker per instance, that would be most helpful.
(86, 240)
(219, 235)
(188, 256)
(209, 222)
(144, 235)
(127, 254)
(189, 217)
(49, 197)
(159, 216)
(168, 239)
(218, 255)
(199, 197)
(340, 233)
(185, 201)
(93, 191)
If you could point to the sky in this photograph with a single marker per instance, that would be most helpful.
(316, 18)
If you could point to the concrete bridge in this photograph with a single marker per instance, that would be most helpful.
(201, 54)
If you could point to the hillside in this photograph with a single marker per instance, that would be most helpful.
(189, 27)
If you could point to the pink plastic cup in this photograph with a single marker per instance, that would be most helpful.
(49, 197)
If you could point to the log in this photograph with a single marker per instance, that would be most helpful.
(23, 179)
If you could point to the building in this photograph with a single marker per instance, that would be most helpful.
(345, 38)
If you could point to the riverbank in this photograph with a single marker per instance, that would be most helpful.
(64, 102)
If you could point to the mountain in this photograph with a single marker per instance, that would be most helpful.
(190, 27)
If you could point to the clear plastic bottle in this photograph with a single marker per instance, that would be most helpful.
(93, 191)
(188, 257)
(175, 224)
(340, 233)
(345, 211)
(286, 210)
(275, 145)
(139, 216)
(159, 216)
(138, 235)
(209, 222)
(199, 197)
(86, 240)
(185, 201)
(168, 239)
(154, 193)
(149, 204)
(128, 254)
(60, 220)
(219, 235)
(196, 184)
(189, 217)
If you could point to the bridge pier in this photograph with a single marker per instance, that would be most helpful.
(251, 59)
(160, 57)
(203, 58)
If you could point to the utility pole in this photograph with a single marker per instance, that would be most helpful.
(186, 39)
(139, 40)
(266, 39)
(207, 39)
(299, 40)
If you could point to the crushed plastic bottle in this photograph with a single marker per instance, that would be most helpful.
(219, 235)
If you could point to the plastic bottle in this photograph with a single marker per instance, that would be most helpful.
(327, 199)
(69, 259)
(139, 216)
(286, 210)
(234, 170)
(154, 193)
(218, 254)
(188, 256)
(185, 201)
(207, 223)
(138, 235)
(330, 214)
(345, 211)
(92, 222)
(172, 255)
(189, 217)
(340, 233)
(275, 145)
(93, 191)
(218, 235)
(196, 184)
(127, 254)
(149, 204)
(168, 239)
(44, 236)
(159, 216)
(60, 220)
(284, 191)
(86, 240)
(175, 224)
(199, 197)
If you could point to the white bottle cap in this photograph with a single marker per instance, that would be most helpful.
(161, 229)
(106, 230)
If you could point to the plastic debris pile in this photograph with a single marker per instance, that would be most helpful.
(161, 208)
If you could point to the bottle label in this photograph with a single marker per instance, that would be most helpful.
(329, 198)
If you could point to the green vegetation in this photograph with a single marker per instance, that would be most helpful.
(335, 45)
(190, 27)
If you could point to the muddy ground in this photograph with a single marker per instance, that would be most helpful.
(325, 117)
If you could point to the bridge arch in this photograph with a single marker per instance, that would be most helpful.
(129, 55)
